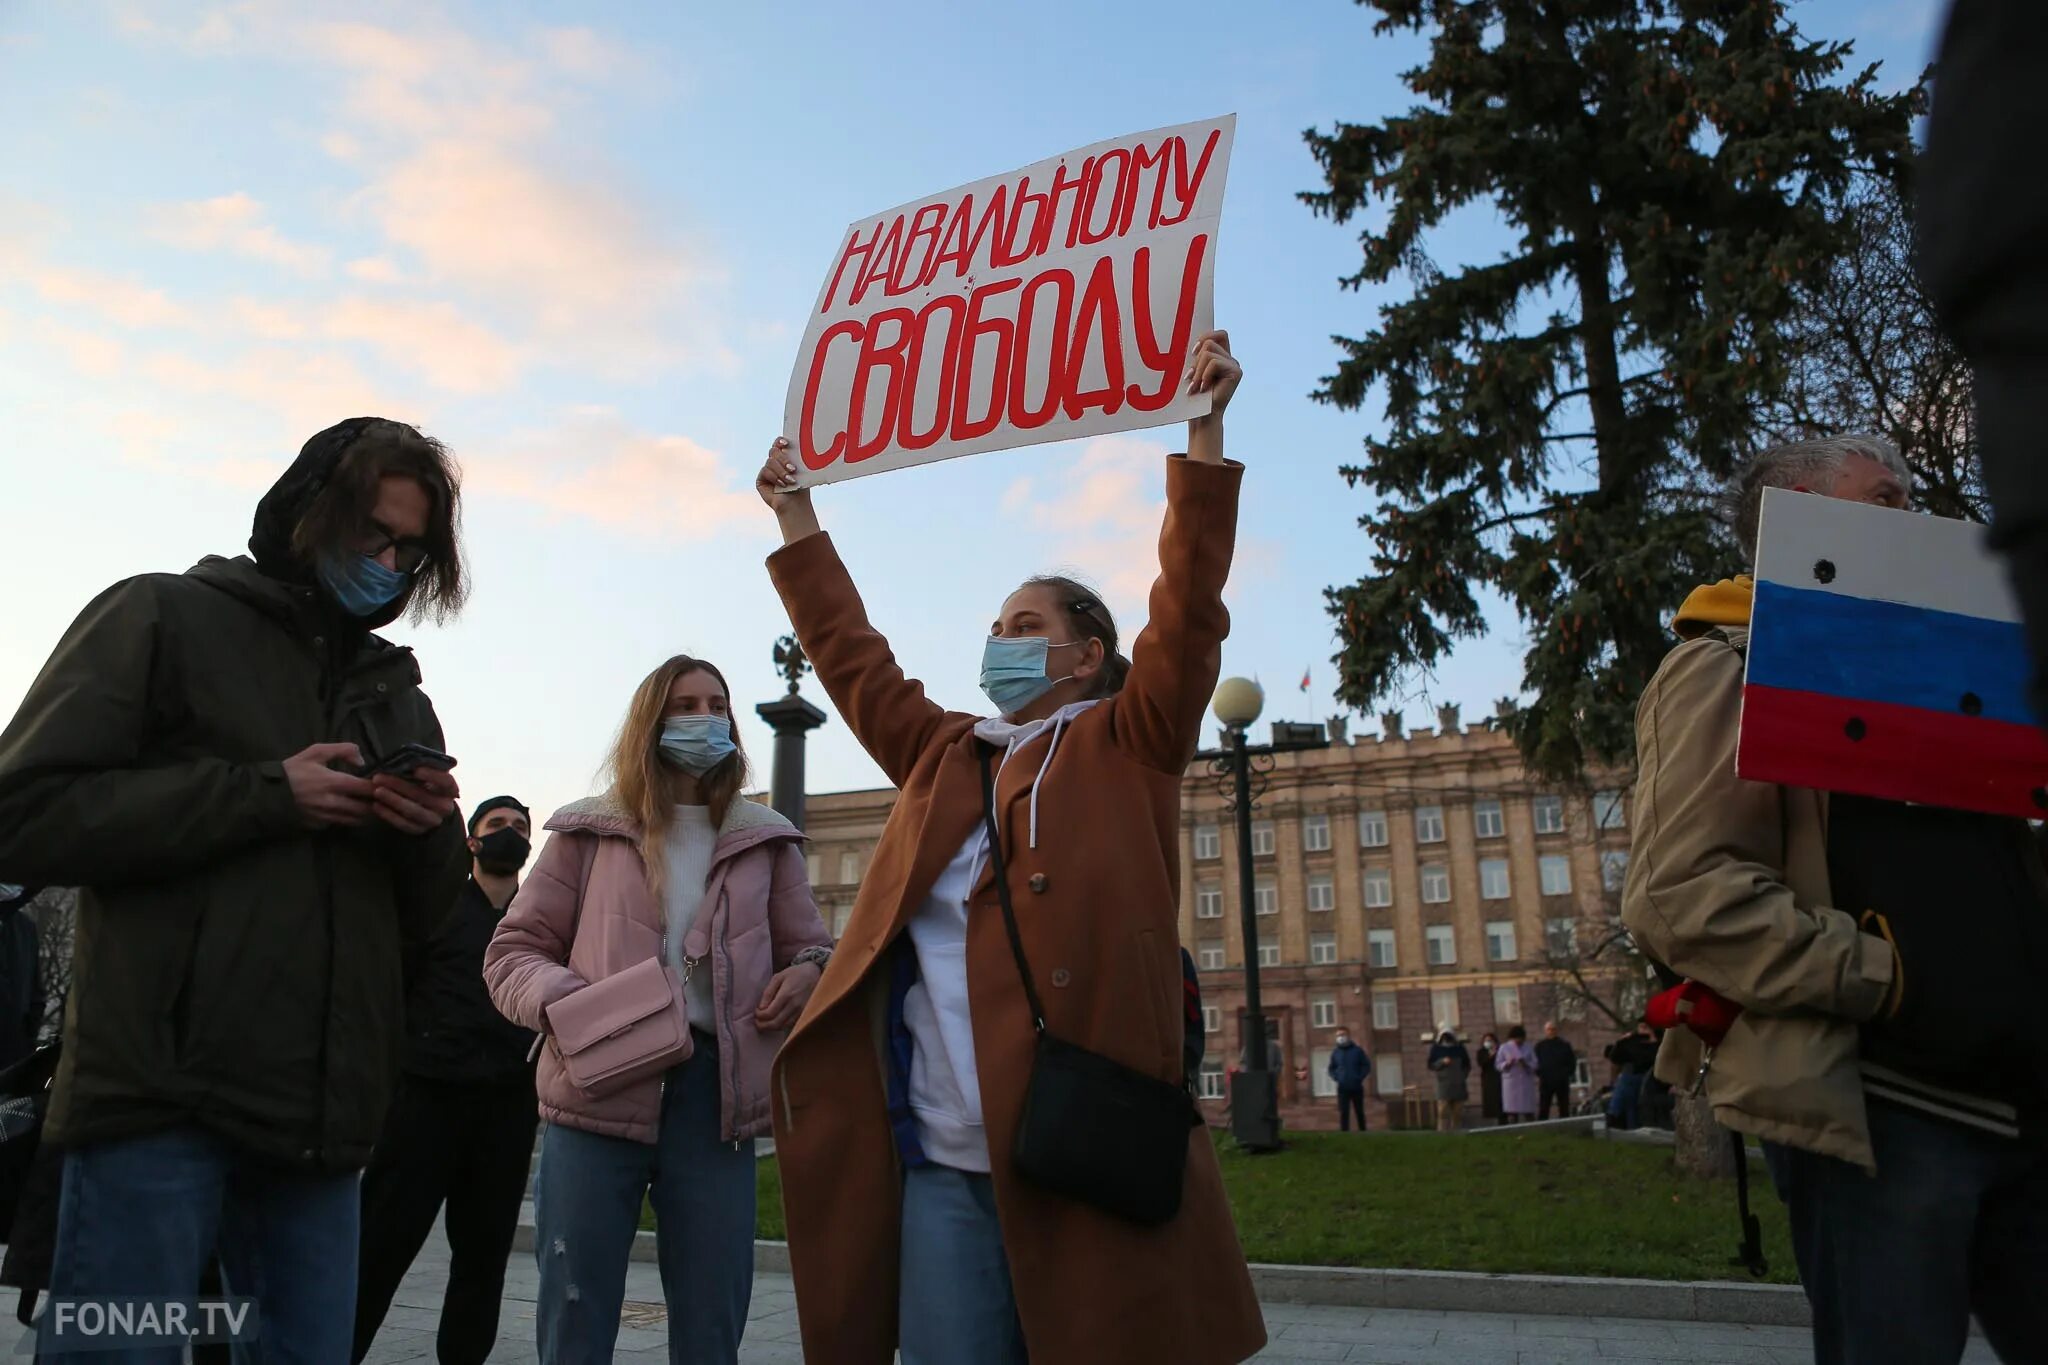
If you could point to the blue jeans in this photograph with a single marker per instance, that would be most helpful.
(1624, 1106)
(1954, 1221)
(955, 1303)
(587, 1197)
(144, 1215)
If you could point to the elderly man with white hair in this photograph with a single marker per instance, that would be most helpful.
(1885, 958)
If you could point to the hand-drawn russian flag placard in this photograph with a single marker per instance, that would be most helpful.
(1886, 659)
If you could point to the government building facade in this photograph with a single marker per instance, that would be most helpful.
(1402, 884)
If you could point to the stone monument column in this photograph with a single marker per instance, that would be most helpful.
(792, 718)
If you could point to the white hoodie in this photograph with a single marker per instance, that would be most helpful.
(945, 1083)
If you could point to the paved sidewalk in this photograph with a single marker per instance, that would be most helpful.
(1299, 1333)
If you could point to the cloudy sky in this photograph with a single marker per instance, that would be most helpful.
(577, 243)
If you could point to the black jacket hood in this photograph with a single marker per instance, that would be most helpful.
(279, 513)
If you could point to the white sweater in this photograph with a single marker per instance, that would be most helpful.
(689, 844)
(945, 1078)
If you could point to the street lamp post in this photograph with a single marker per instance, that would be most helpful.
(1254, 1091)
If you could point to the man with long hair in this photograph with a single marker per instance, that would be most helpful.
(237, 772)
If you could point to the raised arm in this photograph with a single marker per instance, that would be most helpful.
(1706, 892)
(888, 712)
(1158, 716)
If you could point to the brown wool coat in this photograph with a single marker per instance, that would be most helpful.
(1097, 905)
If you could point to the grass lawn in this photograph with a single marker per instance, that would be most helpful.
(1550, 1204)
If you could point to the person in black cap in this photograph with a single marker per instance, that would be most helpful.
(463, 1127)
(238, 774)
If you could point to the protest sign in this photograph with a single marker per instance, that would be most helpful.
(1057, 301)
(1886, 659)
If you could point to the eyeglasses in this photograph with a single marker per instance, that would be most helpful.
(411, 556)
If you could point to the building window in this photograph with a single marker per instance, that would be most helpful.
(1610, 810)
(1387, 1072)
(1487, 820)
(1266, 895)
(1493, 879)
(1500, 940)
(1614, 868)
(1429, 824)
(1269, 952)
(1379, 888)
(1264, 840)
(1322, 1083)
(1549, 814)
(1572, 1007)
(1443, 945)
(1212, 1082)
(849, 867)
(1322, 893)
(1380, 947)
(1315, 834)
(1322, 1011)
(1562, 937)
(814, 867)
(1557, 874)
(1211, 957)
(839, 919)
(1582, 1074)
(1212, 1018)
(1208, 842)
(1507, 1005)
(1322, 949)
(1443, 1007)
(1386, 1012)
(1436, 884)
(1208, 902)
(1372, 829)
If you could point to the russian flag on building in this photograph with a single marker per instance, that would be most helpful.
(1886, 659)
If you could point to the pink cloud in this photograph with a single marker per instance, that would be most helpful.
(234, 223)
(434, 340)
(90, 353)
(597, 467)
(374, 270)
(124, 301)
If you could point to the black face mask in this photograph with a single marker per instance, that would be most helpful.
(503, 851)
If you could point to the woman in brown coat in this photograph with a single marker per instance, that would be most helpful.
(898, 1095)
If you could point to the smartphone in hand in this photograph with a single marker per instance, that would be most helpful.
(409, 759)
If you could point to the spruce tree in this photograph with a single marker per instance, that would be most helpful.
(1559, 421)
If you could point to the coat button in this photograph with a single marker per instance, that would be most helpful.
(1062, 977)
(1039, 883)
(319, 642)
(383, 687)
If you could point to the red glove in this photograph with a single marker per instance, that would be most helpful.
(1708, 1015)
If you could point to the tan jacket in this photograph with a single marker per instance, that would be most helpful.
(1728, 885)
(1097, 905)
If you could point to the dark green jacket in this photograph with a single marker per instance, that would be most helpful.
(232, 968)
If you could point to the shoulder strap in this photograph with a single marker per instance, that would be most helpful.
(995, 859)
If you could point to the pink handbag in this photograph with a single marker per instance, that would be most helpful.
(629, 1026)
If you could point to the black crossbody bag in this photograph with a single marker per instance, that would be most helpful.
(1093, 1129)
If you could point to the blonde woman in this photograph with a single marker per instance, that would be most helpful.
(671, 865)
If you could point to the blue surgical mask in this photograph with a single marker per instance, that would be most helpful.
(697, 744)
(1013, 671)
(360, 585)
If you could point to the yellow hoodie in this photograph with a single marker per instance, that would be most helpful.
(1725, 603)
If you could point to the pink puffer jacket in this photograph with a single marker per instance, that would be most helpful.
(590, 882)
